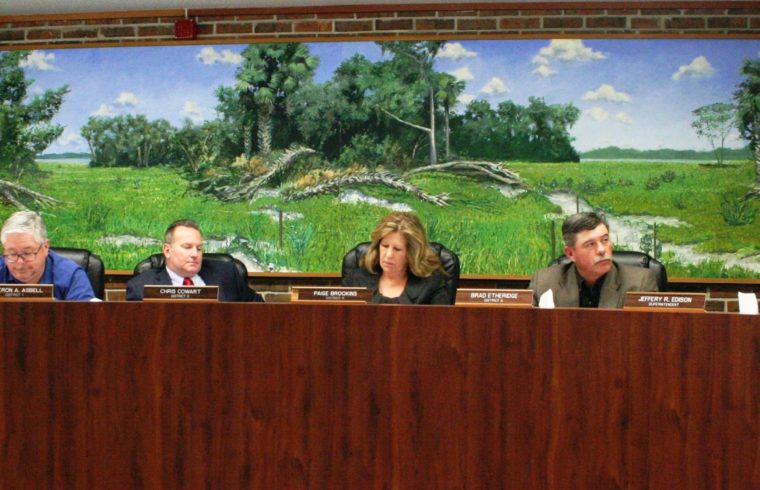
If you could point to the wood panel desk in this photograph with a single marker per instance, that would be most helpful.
(118, 395)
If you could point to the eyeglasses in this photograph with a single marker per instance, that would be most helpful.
(26, 256)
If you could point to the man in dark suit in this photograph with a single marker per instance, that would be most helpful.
(592, 279)
(183, 252)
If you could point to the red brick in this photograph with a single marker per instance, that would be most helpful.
(375, 15)
(434, 24)
(520, 23)
(353, 26)
(154, 31)
(103, 22)
(244, 17)
(64, 23)
(660, 12)
(417, 13)
(295, 16)
(563, 22)
(118, 31)
(569, 12)
(744, 11)
(703, 12)
(314, 26)
(494, 13)
(38, 34)
(345, 15)
(540, 13)
(645, 23)
(754, 24)
(727, 23)
(458, 13)
(22, 24)
(476, 24)
(394, 25)
(238, 28)
(205, 29)
(142, 20)
(80, 33)
(606, 22)
(685, 23)
(622, 11)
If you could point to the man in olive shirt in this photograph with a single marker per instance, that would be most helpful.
(592, 278)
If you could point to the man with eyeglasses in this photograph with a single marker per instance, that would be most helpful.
(27, 259)
(592, 279)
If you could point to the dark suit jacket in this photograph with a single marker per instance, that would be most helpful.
(563, 282)
(418, 291)
(232, 287)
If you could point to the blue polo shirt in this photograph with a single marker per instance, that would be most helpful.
(69, 280)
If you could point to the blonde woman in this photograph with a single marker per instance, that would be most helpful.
(399, 266)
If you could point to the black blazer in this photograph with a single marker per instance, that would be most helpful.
(232, 287)
(418, 291)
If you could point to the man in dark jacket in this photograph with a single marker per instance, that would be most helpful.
(183, 253)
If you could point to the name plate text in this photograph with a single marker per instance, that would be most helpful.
(181, 293)
(495, 297)
(26, 292)
(344, 295)
(668, 301)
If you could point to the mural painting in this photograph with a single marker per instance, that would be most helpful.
(287, 154)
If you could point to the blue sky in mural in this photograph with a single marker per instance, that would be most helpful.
(632, 93)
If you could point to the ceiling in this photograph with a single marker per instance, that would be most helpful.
(39, 7)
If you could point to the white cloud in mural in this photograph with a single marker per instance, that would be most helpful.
(72, 140)
(566, 50)
(624, 118)
(127, 99)
(465, 99)
(39, 60)
(192, 110)
(104, 110)
(597, 113)
(455, 51)
(608, 93)
(544, 71)
(210, 56)
(698, 68)
(463, 74)
(495, 86)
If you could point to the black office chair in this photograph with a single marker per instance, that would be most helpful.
(449, 261)
(91, 263)
(158, 261)
(634, 259)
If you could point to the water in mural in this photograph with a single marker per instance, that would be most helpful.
(287, 154)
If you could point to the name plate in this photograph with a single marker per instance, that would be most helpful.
(320, 294)
(495, 297)
(181, 293)
(26, 292)
(665, 301)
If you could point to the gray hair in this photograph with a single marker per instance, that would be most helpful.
(580, 222)
(25, 222)
(187, 223)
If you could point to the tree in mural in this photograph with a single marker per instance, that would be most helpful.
(128, 140)
(268, 75)
(414, 62)
(714, 122)
(447, 92)
(747, 97)
(25, 128)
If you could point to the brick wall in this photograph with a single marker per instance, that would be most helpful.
(617, 19)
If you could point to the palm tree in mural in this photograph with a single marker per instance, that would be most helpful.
(416, 59)
(448, 91)
(267, 76)
(747, 97)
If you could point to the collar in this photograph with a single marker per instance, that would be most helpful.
(177, 279)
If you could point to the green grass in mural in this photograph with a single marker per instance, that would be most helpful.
(493, 234)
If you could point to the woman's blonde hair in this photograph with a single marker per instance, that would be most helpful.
(421, 259)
